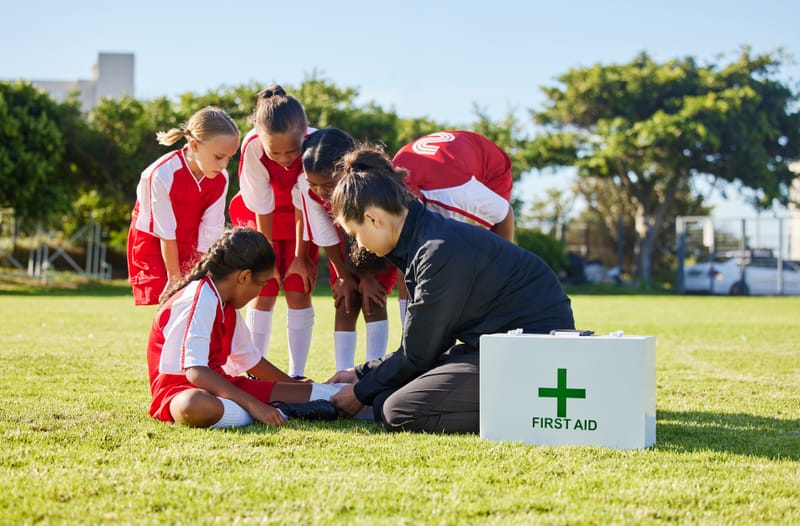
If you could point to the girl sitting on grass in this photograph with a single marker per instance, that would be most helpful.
(199, 346)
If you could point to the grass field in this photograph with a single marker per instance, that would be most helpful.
(78, 447)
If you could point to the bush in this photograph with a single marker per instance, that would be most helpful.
(546, 247)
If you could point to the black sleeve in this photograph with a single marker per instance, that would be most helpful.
(442, 284)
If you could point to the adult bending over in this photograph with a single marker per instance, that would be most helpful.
(463, 281)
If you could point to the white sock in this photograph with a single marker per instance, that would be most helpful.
(299, 324)
(403, 304)
(260, 324)
(324, 391)
(377, 338)
(233, 415)
(344, 347)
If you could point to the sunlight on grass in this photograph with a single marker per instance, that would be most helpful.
(78, 446)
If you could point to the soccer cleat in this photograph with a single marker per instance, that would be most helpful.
(314, 410)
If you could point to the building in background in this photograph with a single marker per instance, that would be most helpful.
(112, 76)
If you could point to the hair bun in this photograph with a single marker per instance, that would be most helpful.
(273, 91)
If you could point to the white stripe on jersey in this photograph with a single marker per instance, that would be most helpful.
(254, 180)
(472, 202)
(156, 216)
(319, 226)
(187, 334)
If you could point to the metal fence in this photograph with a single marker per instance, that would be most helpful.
(763, 242)
(47, 248)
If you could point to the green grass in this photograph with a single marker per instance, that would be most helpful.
(78, 446)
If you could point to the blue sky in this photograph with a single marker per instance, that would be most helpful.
(435, 59)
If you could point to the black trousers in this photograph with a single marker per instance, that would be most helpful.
(442, 400)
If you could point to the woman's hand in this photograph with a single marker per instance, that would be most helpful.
(346, 402)
(345, 376)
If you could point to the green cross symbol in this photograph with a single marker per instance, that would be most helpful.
(561, 393)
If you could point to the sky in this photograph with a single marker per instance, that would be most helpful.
(438, 59)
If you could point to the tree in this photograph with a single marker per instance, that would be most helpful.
(650, 128)
(34, 179)
(607, 207)
(551, 212)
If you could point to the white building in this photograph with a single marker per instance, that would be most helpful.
(112, 76)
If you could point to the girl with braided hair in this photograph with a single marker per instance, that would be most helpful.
(360, 283)
(199, 346)
(180, 203)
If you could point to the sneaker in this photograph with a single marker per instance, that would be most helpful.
(314, 410)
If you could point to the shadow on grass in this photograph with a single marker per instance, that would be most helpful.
(65, 287)
(17, 286)
(344, 425)
(737, 433)
(610, 289)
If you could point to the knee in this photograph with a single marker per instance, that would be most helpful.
(396, 415)
(196, 408)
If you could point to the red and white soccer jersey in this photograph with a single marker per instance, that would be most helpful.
(195, 328)
(318, 225)
(172, 204)
(320, 229)
(459, 174)
(266, 187)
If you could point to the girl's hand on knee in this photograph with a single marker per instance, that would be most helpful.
(371, 292)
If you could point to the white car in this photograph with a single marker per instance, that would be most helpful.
(724, 276)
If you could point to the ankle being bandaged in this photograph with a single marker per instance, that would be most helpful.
(324, 391)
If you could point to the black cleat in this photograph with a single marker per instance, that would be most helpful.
(314, 410)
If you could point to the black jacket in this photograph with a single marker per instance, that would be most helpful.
(463, 281)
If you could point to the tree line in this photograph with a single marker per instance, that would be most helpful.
(638, 135)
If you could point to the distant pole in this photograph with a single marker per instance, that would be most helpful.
(681, 232)
(712, 247)
(742, 249)
(780, 257)
(620, 243)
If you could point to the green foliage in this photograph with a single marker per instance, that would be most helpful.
(84, 450)
(650, 128)
(34, 178)
(546, 247)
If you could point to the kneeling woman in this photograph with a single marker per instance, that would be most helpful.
(199, 347)
(463, 282)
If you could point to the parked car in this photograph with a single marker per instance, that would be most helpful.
(724, 276)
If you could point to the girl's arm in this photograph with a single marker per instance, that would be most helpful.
(264, 370)
(169, 252)
(505, 228)
(205, 378)
(302, 265)
(212, 224)
(264, 225)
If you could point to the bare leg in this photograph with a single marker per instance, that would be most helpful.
(291, 393)
(196, 408)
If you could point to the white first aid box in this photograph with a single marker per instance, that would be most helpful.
(568, 390)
